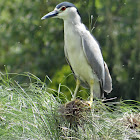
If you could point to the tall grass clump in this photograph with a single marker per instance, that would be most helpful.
(32, 110)
(27, 110)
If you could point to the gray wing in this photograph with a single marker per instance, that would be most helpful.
(94, 56)
(95, 60)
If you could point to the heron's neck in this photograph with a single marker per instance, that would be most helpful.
(74, 20)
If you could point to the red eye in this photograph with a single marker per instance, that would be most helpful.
(63, 8)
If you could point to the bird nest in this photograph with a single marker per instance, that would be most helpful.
(75, 111)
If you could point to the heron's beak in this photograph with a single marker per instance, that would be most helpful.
(51, 14)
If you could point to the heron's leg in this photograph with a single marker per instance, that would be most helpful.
(91, 92)
(76, 89)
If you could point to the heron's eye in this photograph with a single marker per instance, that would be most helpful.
(63, 8)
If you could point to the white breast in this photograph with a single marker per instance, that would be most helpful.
(76, 56)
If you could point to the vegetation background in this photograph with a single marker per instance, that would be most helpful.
(28, 44)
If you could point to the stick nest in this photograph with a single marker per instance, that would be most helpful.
(75, 111)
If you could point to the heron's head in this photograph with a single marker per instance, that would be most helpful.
(64, 10)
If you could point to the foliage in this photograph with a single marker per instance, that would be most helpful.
(30, 111)
(31, 45)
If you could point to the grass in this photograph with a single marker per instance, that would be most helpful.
(33, 111)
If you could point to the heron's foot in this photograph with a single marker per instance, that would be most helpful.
(73, 98)
(89, 103)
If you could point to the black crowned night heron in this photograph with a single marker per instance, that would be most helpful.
(82, 52)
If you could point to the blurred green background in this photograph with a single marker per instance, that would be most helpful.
(28, 44)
